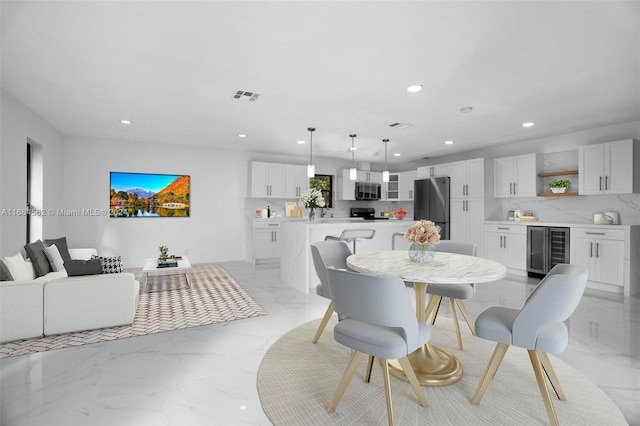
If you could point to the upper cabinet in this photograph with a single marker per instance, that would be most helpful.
(405, 185)
(277, 180)
(467, 178)
(296, 181)
(346, 188)
(437, 170)
(267, 180)
(364, 176)
(517, 176)
(608, 168)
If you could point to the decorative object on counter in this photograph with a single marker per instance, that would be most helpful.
(400, 213)
(163, 253)
(559, 186)
(606, 218)
(312, 199)
(424, 234)
(268, 211)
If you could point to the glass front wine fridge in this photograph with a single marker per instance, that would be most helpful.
(547, 246)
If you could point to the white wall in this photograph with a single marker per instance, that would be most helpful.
(214, 231)
(19, 123)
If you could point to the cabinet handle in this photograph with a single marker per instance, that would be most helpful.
(600, 183)
(510, 188)
(503, 228)
(606, 183)
(597, 250)
(514, 188)
(595, 233)
(501, 237)
(505, 241)
(591, 251)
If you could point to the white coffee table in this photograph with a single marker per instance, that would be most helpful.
(151, 268)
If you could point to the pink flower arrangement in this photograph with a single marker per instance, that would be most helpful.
(423, 232)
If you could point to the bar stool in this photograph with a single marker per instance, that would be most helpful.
(351, 235)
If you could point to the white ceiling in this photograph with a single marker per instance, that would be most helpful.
(342, 67)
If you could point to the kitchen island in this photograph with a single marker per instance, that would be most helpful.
(296, 264)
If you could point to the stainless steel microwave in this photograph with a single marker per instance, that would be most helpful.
(368, 191)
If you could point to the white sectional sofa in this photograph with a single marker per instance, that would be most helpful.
(56, 303)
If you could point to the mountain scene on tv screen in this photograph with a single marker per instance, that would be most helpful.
(172, 200)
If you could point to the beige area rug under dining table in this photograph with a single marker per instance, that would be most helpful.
(297, 379)
(167, 304)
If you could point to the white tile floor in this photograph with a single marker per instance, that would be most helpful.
(206, 375)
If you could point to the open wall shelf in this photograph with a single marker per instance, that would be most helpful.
(551, 194)
(559, 173)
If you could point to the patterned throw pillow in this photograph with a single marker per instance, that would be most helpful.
(110, 264)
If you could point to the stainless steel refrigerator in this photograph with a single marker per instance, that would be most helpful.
(431, 202)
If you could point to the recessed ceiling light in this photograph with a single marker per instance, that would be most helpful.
(448, 142)
(466, 109)
(415, 88)
(353, 148)
(126, 122)
(529, 124)
(397, 154)
(242, 135)
(301, 142)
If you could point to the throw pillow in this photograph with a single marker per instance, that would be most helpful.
(54, 257)
(5, 273)
(17, 266)
(61, 243)
(35, 251)
(110, 264)
(77, 267)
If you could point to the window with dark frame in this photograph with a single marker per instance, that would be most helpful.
(324, 183)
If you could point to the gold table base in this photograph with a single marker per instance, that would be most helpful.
(433, 366)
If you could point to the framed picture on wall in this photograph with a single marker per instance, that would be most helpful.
(148, 195)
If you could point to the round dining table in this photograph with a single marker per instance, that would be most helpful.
(433, 365)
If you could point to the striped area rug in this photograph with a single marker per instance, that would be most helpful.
(167, 304)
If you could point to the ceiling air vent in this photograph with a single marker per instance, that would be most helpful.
(400, 125)
(247, 96)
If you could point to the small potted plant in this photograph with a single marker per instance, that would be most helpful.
(559, 186)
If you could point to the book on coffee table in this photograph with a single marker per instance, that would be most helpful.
(167, 263)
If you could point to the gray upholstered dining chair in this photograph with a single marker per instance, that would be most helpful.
(325, 254)
(537, 327)
(378, 320)
(456, 293)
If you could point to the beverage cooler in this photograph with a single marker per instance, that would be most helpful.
(546, 247)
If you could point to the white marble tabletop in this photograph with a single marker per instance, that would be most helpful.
(445, 268)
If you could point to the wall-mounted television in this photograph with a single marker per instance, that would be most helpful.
(148, 195)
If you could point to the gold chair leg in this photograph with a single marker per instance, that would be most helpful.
(323, 323)
(465, 314)
(430, 306)
(367, 377)
(413, 380)
(551, 375)
(456, 324)
(387, 389)
(346, 379)
(435, 314)
(494, 363)
(542, 385)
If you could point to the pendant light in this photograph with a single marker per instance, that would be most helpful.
(385, 173)
(311, 169)
(353, 171)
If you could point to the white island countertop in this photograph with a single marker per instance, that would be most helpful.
(296, 264)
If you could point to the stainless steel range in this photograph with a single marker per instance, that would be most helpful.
(367, 213)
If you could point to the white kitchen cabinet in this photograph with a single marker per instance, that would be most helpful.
(345, 187)
(467, 178)
(517, 176)
(267, 180)
(507, 244)
(390, 190)
(608, 168)
(437, 170)
(405, 185)
(266, 238)
(365, 176)
(296, 181)
(602, 252)
(466, 220)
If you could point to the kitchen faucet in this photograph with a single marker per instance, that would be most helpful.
(324, 211)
